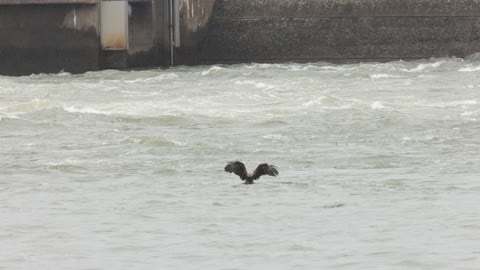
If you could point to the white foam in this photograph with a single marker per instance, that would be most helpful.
(471, 113)
(164, 77)
(313, 102)
(277, 137)
(178, 143)
(381, 76)
(244, 82)
(264, 85)
(470, 69)
(8, 116)
(74, 109)
(300, 67)
(212, 70)
(259, 85)
(377, 105)
(167, 76)
(462, 103)
(422, 67)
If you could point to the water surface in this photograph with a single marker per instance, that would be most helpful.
(379, 167)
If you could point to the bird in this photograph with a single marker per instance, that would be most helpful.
(239, 169)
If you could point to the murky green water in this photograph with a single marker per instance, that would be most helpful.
(379, 167)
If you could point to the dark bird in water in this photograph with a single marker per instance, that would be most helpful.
(239, 169)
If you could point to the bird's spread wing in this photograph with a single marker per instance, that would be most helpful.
(264, 169)
(237, 168)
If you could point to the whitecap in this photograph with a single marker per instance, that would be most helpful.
(469, 69)
(63, 73)
(178, 143)
(31, 106)
(259, 85)
(300, 67)
(73, 109)
(212, 70)
(335, 68)
(467, 102)
(8, 116)
(313, 102)
(244, 82)
(381, 76)
(377, 105)
(265, 86)
(135, 80)
(422, 67)
(471, 113)
(462, 103)
(277, 137)
(163, 77)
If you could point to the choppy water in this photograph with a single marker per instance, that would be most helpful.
(379, 167)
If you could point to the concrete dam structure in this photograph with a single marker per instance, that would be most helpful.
(341, 30)
(49, 36)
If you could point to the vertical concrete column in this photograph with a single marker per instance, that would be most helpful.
(194, 17)
(128, 33)
(161, 30)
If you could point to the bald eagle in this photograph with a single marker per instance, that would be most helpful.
(239, 169)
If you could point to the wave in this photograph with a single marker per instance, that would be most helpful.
(384, 76)
(152, 141)
(426, 66)
(8, 116)
(86, 110)
(31, 106)
(212, 70)
(377, 105)
(471, 113)
(323, 101)
(456, 103)
(259, 85)
(470, 69)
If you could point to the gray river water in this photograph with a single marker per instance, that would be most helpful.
(379, 167)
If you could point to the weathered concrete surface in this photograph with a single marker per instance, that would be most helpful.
(161, 32)
(345, 8)
(141, 51)
(340, 30)
(48, 39)
(136, 47)
(46, 2)
(194, 18)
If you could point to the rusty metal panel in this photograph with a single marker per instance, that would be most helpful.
(114, 25)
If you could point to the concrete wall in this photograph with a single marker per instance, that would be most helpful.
(141, 36)
(195, 16)
(128, 37)
(161, 32)
(48, 38)
(53, 35)
(340, 30)
(46, 2)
